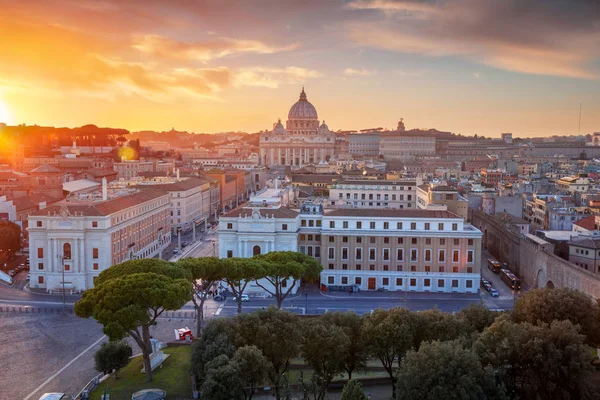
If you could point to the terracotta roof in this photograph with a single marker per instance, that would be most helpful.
(264, 213)
(587, 223)
(105, 208)
(45, 169)
(185, 184)
(377, 182)
(390, 213)
(100, 172)
(314, 178)
(33, 200)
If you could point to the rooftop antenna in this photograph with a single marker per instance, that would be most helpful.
(579, 129)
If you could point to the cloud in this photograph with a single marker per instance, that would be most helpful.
(550, 37)
(359, 72)
(273, 77)
(214, 48)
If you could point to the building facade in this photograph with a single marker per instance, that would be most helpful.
(432, 197)
(303, 141)
(405, 146)
(80, 240)
(373, 194)
(364, 144)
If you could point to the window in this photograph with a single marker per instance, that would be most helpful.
(40, 265)
(40, 252)
(371, 225)
(470, 256)
(372, 240)
(427, 226)
(456, 242)
(95, 266)
(440, 283)
(303, 249)
(38, 224)
(398, 281)
(413, 254)
(330, 280)
(386, 254)
(357, 280)
(413, 241)
(454, 283)
(40, 279)
(428, 268)
(302, 236)
(332, 224)
(345, 224)
(358, 253)
(454, 227)
(386, 240)
(331, 266)
(428, 255)
(469, 284)
(318, 238)
(67, 251)
(400, 254)
(386, 225)
(469, 270)
(311, 222)
(303, 222)
(413, 268)
(399, 225)
(229, 253)
(317, 251)
(331, 239)
(344, 280)
(427, 282)
(441, 269)
(413, 282)
(344, 253)
(309, 250)
(229, 225)
(372, 255)
(319, 223)
(400, 240)
(470, 242)
(428, 241)
(442, 242)
(358, 267)
(371, 267)
(358, 225)
(344, 266)
(441, 226)
(359, 239)
(309, 237)
(399, 268)
(95, 253)
(455, 255)
(331, 253)
(413, 226)
(385, 281)
(345, 239)
(442, 256)
(455, 269)
(284, 227)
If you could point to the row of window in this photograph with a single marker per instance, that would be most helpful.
(386, 254)
(377, 197)
(66, 252)
(387, 240)
(67, 267)
(401, 282)
(386, 225)
(400, 268)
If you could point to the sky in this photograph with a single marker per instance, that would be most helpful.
(467, 66)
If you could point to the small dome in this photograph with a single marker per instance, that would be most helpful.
(302, 109)
(324, 126)
(279, 127)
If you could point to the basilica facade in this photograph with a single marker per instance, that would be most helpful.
(303, 141)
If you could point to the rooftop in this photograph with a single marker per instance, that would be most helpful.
(375, 182)
(588, 223)
(390, 213)
(246, 212)
(586, 242)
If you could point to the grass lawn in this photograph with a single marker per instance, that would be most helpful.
(174, 377)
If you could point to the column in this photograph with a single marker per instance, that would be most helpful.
(272, 154)
(322, 154)
(55, 261)
(239, 252)
(48, 255)
(293, 156)
(279, 156)
(81, 255)
(247, 252)
(287, 156)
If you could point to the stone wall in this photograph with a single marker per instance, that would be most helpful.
(534, 263)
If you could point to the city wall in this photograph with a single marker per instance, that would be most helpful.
(533, 262)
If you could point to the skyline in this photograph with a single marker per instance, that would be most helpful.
(465, 66)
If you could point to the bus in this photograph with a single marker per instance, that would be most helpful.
(510, 279)
(494, 265)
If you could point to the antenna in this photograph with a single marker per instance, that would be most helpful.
(579, 129)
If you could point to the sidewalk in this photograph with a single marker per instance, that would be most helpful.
(400, 295)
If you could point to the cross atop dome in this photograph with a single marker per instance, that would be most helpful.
(302, 94)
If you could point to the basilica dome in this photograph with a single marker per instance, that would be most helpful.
(302, 109)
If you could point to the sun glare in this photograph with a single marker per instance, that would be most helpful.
(4, 113)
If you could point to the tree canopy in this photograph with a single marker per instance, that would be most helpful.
(142, 265)
(10, 239)
(112, 356)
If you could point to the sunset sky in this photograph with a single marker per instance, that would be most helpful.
(467, 66)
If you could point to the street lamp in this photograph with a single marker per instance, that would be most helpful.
(61, 259)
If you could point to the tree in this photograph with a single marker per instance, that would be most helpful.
(436, 325)
(477, 317)
(130, 304)
(353, 391)
(324, 349)
(445, 370)
(222, 380)
(276, 334)
(537, 361)
(547, 305)
(355, 353)
(252, 369)
(281, 266)
(112, 356)
(389, 335)
(238, 273)
(205, 273)
(131, 267)
(10, 238)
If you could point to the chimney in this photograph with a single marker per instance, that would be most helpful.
(177, 173)
(104, 190)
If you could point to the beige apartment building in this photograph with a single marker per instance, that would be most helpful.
(373, 194)
(442, 197)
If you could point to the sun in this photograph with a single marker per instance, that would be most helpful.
(4, 113)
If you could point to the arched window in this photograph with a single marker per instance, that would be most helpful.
(256, 250)
(67, 251)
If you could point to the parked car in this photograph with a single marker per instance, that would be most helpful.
(28, 276)
(219, 297)
(183, 244)
(52, 396)
(493, 292)
(175, 250)
(244, 298)
(11, 273)
(486, 284)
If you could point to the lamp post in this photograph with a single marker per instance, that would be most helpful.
(61, 259)
(213, 244)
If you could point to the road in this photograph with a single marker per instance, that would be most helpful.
(506, 296)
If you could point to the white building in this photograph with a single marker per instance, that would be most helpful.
(85, 236)
(364, 144)
(373, 194)
(405, 145)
